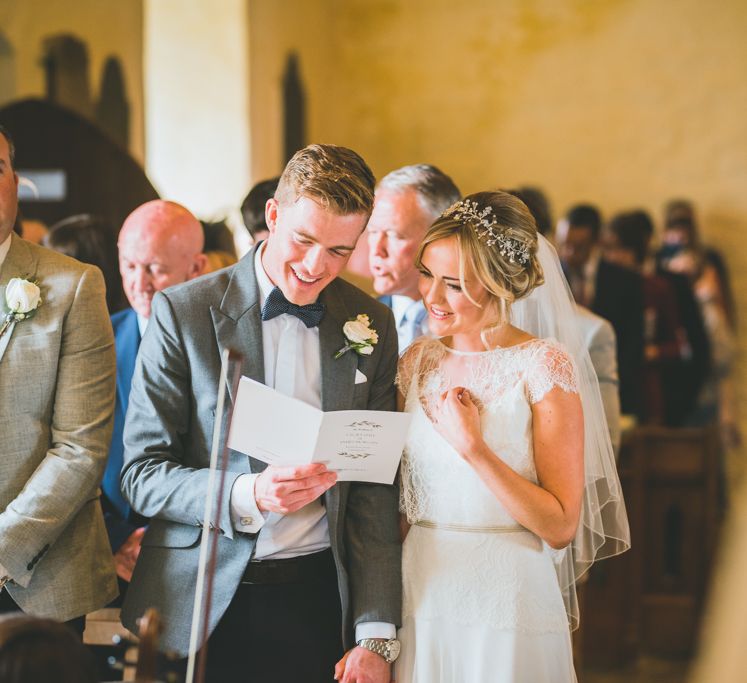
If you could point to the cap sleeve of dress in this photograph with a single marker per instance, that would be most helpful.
(551, 367)
(409, 365)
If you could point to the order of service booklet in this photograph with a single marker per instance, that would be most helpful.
(360, 445)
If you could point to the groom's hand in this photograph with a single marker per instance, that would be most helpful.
(287, 489)
(363, 666)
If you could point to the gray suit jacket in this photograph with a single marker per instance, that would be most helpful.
(167, 450)
(601, 342)
(57, 397)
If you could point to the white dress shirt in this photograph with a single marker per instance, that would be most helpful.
(292, 366)
(142, 323)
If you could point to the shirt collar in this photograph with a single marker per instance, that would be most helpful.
(5, 248)
(142, 323)
(401, 304)
(263, 280)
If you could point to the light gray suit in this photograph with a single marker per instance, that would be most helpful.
(57, 379)
(167, 450)
(601, 342)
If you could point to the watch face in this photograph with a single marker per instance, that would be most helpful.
(394, 649)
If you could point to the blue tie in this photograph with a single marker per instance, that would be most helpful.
(276, 304)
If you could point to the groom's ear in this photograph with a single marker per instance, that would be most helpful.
(271, 214)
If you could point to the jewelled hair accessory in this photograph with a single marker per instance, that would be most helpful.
(487, 228)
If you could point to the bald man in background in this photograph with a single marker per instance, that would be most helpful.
(160, 244)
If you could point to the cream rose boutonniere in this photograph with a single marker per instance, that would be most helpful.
(22, 299)
(360, 336)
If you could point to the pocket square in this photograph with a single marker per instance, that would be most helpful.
(360, 378)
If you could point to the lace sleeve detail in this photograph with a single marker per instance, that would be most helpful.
(551, 367)
(408, 365)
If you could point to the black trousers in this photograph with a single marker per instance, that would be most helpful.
(287, 631)
(7, 605)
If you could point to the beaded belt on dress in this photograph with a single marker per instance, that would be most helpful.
(474, 529)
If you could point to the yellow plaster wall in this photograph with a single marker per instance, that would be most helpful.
(275, 30)
(621, 102)
(197, 102)
(108, 27)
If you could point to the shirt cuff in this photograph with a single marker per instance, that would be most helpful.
(375, 629)
(246, 517)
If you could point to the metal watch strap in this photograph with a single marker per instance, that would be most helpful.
(388, 649)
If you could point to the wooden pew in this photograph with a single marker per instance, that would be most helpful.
(102, 627)
(678, 534)
(649, 600)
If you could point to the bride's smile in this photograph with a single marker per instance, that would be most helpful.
(453, 312)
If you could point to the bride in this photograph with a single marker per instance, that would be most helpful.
(508, 480)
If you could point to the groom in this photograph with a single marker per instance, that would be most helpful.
(306, 567)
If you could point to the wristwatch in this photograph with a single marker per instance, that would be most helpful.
(388, 649)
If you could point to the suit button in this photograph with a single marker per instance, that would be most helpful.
(247, 521)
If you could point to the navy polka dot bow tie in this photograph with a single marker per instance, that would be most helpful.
(276, 304)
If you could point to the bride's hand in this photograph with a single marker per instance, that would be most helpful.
(458, 420)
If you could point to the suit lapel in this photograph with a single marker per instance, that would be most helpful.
(338, 380)
(19, 262)
(238, 326)
(338, 374)
(237, 320)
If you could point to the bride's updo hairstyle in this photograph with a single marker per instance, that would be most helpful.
(497, 236)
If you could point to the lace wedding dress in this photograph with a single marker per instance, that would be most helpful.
(482, 600)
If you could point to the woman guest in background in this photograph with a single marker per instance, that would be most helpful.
(683, 252)
(508, 478)
(91, 239)
(219, 246)
(682, 232)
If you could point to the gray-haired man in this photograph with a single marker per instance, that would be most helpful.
(407, 202)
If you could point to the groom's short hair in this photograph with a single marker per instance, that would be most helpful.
(334, 177)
